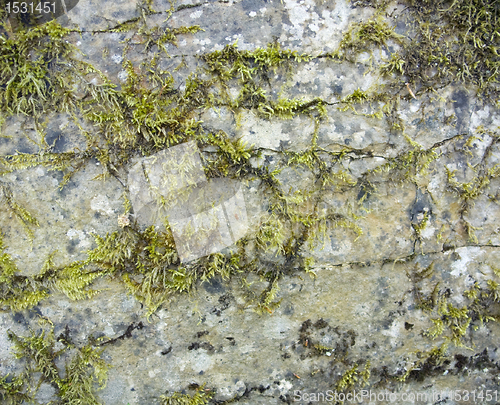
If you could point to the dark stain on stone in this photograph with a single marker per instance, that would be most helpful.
(70, 247)
(202, 333)
(421, 205)
(214, 286)
(166, 351)
(409, 326)
(461, 107)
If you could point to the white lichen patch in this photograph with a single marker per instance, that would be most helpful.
(101, 204)
(117, 58)
(427, 232)
(199, 360)
(122, 75)
(196, 14)
(478, 118)
(202, 42)
(467, 255)
(262, 133)
(81, 236)
(394, 332)
(312, 28)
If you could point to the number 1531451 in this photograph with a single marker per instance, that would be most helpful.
(43, 7)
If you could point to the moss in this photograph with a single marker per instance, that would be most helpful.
(85, 371)
(22, 214)
(393, 66)
(149, 113)
(17, 292)
(323, 349)
(446, 42)
(75, 386)
(353, 378)
(200, 397)
(483, 173)
(13, 390)
(425, 363)
(451, 323)
(364, 36)
(31, 83)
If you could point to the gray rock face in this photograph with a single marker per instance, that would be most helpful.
(371, 226)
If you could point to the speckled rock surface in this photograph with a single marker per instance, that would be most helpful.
(359, 306)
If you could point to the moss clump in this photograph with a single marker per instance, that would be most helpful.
(13, 390)
(364, 36)
(425, 363)
(21, 213)
(353, 378)
(75, 386)
(450, 322)
(148, 264)
(32, 80)
(458, 41)
(445, 42)
(84, 374)
(200, 397)
(17, 292)
(251, 70)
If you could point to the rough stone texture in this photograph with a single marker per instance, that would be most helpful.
(361, 303)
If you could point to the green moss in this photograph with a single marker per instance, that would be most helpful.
(393, 66)
(21, 213)
(75, 386)
(452, 323)
(353, 378)
(446, 42)
(364, 36)
(13, 390)
(200, 397)
(17, 292)
(29, 85)
(425, 362)
(409, 164)
(84, 374)
(149, 114)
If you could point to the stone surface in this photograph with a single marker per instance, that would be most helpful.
(358, 305)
